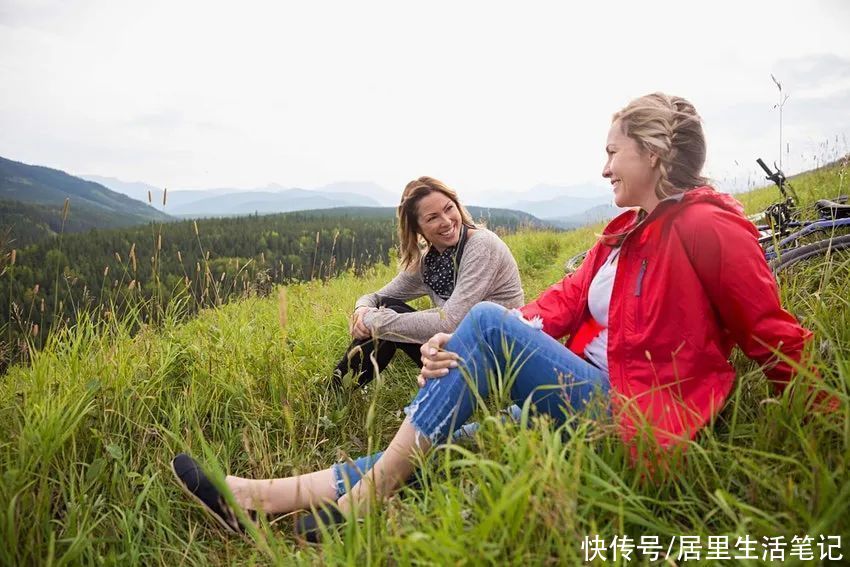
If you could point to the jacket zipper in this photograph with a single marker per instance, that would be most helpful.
(641, 273)
(638, 291)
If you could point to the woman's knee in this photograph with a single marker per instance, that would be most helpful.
(487, 314)
(393, 304)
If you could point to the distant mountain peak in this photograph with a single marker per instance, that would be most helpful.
(220, 201)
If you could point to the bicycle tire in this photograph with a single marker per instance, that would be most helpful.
(819, 248)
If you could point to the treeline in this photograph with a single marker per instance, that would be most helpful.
(193, 263)
(207, 261)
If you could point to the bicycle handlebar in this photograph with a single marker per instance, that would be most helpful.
(778, 179)
(764, 167)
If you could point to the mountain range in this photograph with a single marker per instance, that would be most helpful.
(32, 198)
(561, 205)
(272, 198)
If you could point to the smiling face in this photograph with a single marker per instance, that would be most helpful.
(438, 220)
(632, 170)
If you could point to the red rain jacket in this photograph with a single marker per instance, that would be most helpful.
(691, 283)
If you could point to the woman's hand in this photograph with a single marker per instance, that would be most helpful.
(436, 362)
(356, 326)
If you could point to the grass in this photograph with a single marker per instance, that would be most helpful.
(88, 428)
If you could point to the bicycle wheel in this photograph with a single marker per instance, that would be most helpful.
(819, 248)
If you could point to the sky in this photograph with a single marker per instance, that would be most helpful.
(487, 96)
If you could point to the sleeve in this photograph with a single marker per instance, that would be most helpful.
(723, 249)
(475, 278)
(405, 286)
(560, 307)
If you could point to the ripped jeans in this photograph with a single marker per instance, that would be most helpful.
(494, 342)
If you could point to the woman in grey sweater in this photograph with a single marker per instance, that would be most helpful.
(462, 265)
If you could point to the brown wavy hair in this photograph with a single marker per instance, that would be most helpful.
(410, 236)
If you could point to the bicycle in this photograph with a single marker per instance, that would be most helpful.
(786, 238)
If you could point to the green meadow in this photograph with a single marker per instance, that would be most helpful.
(88, 428)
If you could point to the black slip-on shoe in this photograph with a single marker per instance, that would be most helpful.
(308, 527)
(195, 483)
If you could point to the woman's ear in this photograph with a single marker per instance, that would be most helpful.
(653, 160)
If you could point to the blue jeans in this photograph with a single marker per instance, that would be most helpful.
(494, 344)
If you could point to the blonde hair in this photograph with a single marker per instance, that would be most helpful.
(669, 128)
(409, 234)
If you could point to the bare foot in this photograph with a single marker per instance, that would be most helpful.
(244, 492)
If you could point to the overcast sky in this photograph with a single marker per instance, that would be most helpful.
(484, 95)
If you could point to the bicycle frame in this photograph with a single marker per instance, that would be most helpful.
(809, 227)
(782, 218)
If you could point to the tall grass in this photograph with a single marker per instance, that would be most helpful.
(88, 427)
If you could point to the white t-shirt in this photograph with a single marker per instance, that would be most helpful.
(598, 301)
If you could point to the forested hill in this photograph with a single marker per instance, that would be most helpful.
(92, 204)
(206, 261)
(503, 219)
(22, 224)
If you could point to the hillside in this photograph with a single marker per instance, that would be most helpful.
(90, 426)
(216, 201)
(42, 191)
(24, 224)
(593, 215)
(267, 202)
(211, 260)
(134, 189)
(495, 218)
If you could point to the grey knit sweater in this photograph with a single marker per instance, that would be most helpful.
(487, 272)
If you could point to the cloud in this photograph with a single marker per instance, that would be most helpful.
(197, 94)
(815, 122)
(172, 120)
(42, 14)
(814, 76)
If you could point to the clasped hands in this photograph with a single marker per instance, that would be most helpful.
(436, 361)
(356, 326)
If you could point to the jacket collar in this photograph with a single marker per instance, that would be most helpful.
(629, 220)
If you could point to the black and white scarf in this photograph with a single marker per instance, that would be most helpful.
(439, 269)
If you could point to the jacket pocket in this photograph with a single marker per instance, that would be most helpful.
(639, 292)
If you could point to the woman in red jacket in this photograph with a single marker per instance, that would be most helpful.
(651, 317)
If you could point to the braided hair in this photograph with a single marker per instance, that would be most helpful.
(669, 128)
